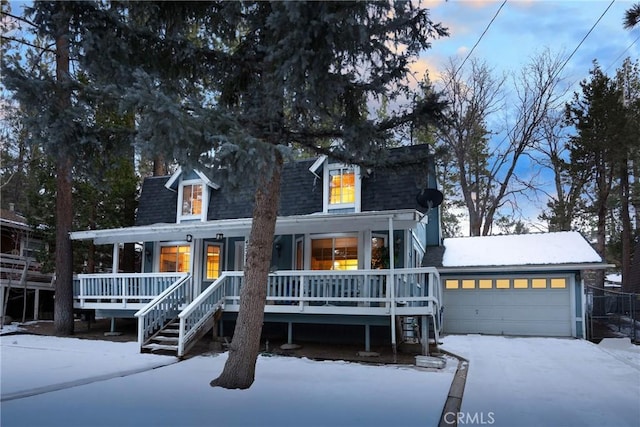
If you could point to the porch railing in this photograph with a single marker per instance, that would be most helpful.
(416, 291)
(120, 290)
(162, 308)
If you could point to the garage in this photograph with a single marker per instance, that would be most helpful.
(520, 285)
(523, 305)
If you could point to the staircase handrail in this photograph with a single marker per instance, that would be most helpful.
(198, 312)
(154, 315)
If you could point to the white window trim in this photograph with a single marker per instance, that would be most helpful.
(326, 207)
(202, 217)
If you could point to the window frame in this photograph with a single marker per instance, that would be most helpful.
(202, 216)
(341, 207)
(176, 244)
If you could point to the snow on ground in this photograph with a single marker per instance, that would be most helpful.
(510, 382)
(287, 391)
(548, 381)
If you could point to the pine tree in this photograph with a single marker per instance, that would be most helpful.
(234, 89)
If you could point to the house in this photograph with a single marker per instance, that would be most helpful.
(343, 235)
(22, 284)
(351, 247)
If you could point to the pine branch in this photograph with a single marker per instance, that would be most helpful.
(26, 43)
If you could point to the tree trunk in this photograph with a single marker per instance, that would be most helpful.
(239, 370)
(625, 218)
(63, 306)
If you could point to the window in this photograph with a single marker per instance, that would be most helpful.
(558, 283)
(502, 284)
(520, 283)
(485, 283)
(175, 259)
(539, 283)
(338, 253)
(379, 253)
(341, 188)
(213, 262)
(451, 284)
(468, 284)
(191, 199)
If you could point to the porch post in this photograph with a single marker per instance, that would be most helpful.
(425, 335)
(115, 263)
(36, 304)
(392, 287)
(290, 333)
(367, 337)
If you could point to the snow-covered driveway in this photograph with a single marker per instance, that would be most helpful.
(547, 382)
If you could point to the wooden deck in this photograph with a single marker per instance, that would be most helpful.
(162, 298)
(22, 274)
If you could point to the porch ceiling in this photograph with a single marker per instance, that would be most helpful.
(316, 223)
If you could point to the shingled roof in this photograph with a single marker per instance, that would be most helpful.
(301, 192)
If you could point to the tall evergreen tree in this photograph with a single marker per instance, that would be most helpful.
(234, 88)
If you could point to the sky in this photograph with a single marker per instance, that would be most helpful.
(520, 30)
(75, 382)
(523, 27)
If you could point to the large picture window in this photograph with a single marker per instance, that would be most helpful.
(337, 253)
(175, 259)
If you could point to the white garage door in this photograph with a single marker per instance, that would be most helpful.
(539, 306)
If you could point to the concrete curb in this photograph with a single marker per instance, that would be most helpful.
(456, 391)
(83, 381)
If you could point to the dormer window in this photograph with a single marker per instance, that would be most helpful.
(342, 188)
(191, 199)
(194, 190)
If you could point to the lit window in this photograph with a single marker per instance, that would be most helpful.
(342, 186)
(192, 199)
(502, 283)
(485, 284)
(175, 259)
(213, 262)
(520, 283)
(539, 283)
(451, 284)
(340, 253)
(468, 284)
(559, 283)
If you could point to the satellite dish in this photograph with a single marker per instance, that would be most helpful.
(429, 198)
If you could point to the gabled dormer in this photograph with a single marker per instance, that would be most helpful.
(341, 186)
(194, 192)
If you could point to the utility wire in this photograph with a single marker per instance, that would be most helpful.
(481, 35)
(623, 52)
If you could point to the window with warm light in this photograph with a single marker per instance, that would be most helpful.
(342, 186)
(558, 283)
(213, 262)
(338, 253)
(175, 259)
(451, 284)
(191, 199)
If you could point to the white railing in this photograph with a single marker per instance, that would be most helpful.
(120, 290)
(417, 291)
(162, 308)
(197, 315)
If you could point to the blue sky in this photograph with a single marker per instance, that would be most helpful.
(521, 30)
(524, 27)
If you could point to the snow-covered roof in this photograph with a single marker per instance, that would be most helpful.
(566, 247)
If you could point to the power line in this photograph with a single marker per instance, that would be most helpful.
(623, 52)
(482, 35)
(585, 36)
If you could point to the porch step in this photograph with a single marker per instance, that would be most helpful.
(163, 339)
(156, 347)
